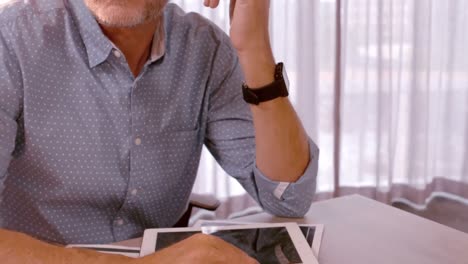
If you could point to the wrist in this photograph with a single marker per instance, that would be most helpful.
(75, 255)
(258, 66)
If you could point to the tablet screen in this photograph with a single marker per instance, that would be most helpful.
(267, 245)
(308, 233)
(312, 233)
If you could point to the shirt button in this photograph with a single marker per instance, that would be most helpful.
(117, 53)
(119, 222)
(134, 192)
(138, 141)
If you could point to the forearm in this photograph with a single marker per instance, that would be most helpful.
(19, 248)
(282, 149)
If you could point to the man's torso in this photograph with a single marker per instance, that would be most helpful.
(99, 154)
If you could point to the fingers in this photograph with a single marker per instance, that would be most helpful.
(232, 7)
(223, 251)
(230, 253)
(211, 3)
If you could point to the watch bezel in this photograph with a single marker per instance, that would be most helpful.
(285, 77)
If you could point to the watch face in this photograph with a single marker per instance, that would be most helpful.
(285, 77)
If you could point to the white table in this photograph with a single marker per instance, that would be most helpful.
(359, 230)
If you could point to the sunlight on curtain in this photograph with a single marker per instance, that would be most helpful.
(405, 84)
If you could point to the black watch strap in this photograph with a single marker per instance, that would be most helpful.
(270, 92)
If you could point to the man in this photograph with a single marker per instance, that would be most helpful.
(104, 108)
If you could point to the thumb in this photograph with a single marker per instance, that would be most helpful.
(232, 8)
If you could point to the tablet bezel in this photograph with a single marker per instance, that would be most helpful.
(316, 243)
(302, 247)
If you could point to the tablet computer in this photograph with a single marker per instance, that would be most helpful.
(132, 252)
(282, 243)
(313, 233)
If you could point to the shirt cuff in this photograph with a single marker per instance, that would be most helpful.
(289, 199)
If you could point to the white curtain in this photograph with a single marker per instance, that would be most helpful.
(380, 85)
(404, 97)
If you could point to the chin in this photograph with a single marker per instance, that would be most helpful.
(117, 13)
(120, 17)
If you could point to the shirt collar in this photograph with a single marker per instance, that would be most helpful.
(159, 48)
(98, 46)
(158, 45)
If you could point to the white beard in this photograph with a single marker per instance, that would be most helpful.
(117, 13)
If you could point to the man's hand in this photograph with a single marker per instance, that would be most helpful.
(199, 249)
(19, 248)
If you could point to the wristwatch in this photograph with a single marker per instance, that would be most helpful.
(279, 88)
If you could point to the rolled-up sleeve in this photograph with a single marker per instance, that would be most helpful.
(230, 137)
(289, 199)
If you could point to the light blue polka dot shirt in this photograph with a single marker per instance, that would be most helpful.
(90, 154)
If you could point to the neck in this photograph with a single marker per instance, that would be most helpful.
(135, 42)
